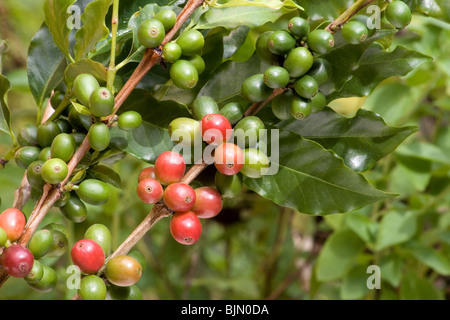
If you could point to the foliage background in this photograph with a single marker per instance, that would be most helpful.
(256, 249)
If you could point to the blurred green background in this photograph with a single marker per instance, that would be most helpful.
(258, 250)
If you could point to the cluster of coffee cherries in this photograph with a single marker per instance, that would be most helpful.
(183, 54)
(24, 261)
(232, 151)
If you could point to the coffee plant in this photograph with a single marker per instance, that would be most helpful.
(300, 143)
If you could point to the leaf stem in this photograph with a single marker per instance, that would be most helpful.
(347, 15)
(112, 62)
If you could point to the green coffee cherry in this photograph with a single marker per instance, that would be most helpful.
(129, 120)
(139, 257)
(41, 243)
(48, 281)
(364, 20)
(64, 125)
(191, 42)
(54, 171)
(281, 105)
(171, 52)
(256, 163)
(99, 136)
(3, 237)
(318, 102)
(94, 192)
(74, 210)
(36, 273)
(45, 154)
(262, 50)
(198, 62)
(92, 287)
(63, 147)
(28, 136)
(60, 240)
(233, 111)
(167, 17)
(202, 106)
(185, 131)
(46, 132)
(125, 293)
(320, 41)
(298, 62)
(299, 27)
(228, 186)
(184, 74)
(247, 131)
(63, 199)
(26, 155)
(83, 86)
(254, 89)
(280, 42)
(398, 14)
(306, 87)
(354, 32)
(321, 71)
(79, 137)
(151, 33)
(101, 102)
(100, 234)
(276, 77)
(300, 108)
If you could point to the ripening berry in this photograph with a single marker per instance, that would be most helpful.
(228, 159)
(12, 221)
(216, 129)
(185, 227)
(169, 167)
(17, 261)
(88, 255)
(208, 202)
(179, 197)
(149, 191)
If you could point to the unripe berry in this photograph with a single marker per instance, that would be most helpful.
(54, 171)
(179, 197)
(208, 202)
(83, 85)
(101, 102)
(92, 288)
(151, 33)
(123, 271)
(185, 227)
(88, 256)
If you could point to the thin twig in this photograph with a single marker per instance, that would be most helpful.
(347, 15)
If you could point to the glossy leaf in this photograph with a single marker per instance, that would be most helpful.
(81, 109)
(432, 258)
(93, 29)
(145, 143)
(361, 140)
(95, 68)
(338, 255)
(358, 69)
(362, 225)
(46, 65)
(313, 180)
(274, 4)
(56, 17)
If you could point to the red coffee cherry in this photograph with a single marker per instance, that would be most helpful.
(216, 129)
(179, 197)
(13, 222)
(17, 261)
(169, 167)
(208, 202)
(228, 159)
(146, 173)
(150, 191)
(88, 255)
(185, 227)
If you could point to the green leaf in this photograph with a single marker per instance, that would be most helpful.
(46, 65)
(233, 17)
(415, 287)
(424, 151)
(354, 285)
(93, 29)
(81, 109)
(312, 180)
(358, 69)
(56, 17)
(5, 114)
(429, 257)
(145, 143)
(338, 255)
(391, 267)
(106, 175)
(274, 4)
(396, 227)
(97, 69)
(325, 9)
(362, 225)
(159, 113)
(361, 140)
